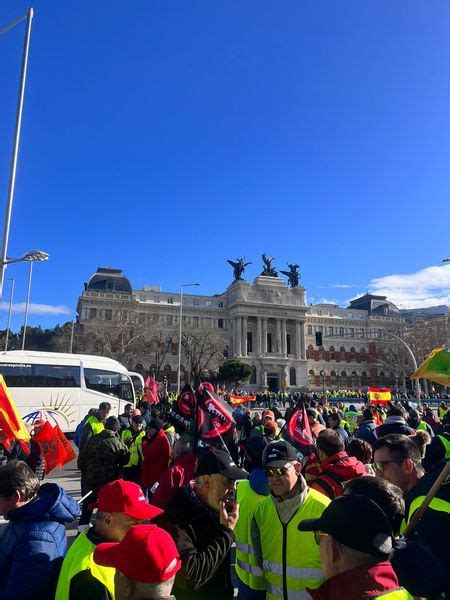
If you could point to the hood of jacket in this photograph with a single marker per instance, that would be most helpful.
(348, 467)
(52, 504)
(259, 482)
(365, 581)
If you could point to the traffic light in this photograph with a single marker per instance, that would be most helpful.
(319, 338)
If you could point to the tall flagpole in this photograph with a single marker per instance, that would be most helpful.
(15, 149)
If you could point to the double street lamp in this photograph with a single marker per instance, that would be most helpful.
(182, 286)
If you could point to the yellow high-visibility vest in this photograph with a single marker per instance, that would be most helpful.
(247, 568)
(95, 423)
(135, 446)
(291, 559)
(80, 557)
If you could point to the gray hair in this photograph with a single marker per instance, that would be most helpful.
(151, 590)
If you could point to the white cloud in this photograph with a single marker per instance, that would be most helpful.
(427, 287)
(342, 285)
(38, 309)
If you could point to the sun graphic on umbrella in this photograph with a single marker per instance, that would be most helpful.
(58, 409)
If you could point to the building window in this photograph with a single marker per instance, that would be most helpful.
(92, 313)
(341, 331)
(156, 299)
(108, 314)
(352, 332)
(310, 352)
(169, 320)
(220, 323)
(253, 376)
(342, 351)
(320, 328)
(169, 344)
(195, 321)
(220, 304)
(288, 343)
(332, 351)
(196, 302)
(249, 341)
(169, 300)
(292, 376)
(309, 329)
(269, 343)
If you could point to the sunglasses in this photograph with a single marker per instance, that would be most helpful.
(271, 471)
(382, 464)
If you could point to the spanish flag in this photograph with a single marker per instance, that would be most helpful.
(236, 400)
(379, 395)
(10, 421)
(436, 367)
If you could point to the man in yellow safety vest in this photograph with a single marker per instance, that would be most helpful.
(286, 563)
(121, 504)
(132, 437)
(355, 560)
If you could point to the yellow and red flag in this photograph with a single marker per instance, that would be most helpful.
(10, 421)
(377, 395)
(236, 400)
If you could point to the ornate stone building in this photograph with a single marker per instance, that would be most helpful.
(265, 324)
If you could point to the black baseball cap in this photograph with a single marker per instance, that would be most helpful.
(277, 454)
(341, 519)
(218, 461)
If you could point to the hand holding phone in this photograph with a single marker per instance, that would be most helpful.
(229, 511)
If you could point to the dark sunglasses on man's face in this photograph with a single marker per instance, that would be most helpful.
(271, 471)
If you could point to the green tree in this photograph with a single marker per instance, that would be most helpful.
(234, 371)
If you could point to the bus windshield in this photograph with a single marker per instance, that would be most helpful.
(110, 383)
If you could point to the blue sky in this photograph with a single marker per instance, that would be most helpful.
(165, 137)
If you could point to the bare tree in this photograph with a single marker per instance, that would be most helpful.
(203, 348)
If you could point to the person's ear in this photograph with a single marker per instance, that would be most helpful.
(108, 519)
(408, 465)
(207, 481)
(298, 468)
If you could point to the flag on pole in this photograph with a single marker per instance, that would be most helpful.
(55, 447)
(183, 409)
(436, 367)
(215, 424)
(236, 400)
(298, 430)
(151, 391)
(377, 395)
(11, 422)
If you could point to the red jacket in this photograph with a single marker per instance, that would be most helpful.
(335, 471)
(156, 454)
(365, 581)
(179, 475)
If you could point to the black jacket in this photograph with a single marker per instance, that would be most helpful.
(204, 546)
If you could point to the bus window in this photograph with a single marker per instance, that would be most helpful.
(108, 382)
(25, 375)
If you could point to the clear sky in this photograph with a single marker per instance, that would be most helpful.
(163, 137)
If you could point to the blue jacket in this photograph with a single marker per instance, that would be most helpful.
(366, 432)
(79, 432)
(33, 545)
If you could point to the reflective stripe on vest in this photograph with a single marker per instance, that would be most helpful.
(446, 444)
(247, 568)
(397, 594)
(291, 557)
(80, 558)
(435, 504)
(135, 447)
(96, 425)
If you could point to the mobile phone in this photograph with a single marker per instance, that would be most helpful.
(230, 501)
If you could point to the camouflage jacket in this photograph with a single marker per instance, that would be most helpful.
(103, 459)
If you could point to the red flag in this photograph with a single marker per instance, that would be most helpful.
(299, 431)
(215, 424)
(55, 447)
(151, 391)
(10, 421)
(183, 410)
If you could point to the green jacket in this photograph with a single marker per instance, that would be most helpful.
(103, 458)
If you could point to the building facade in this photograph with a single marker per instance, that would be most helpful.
(266, 324)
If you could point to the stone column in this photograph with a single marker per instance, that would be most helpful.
(238, 326)
(302, 339)
(298, 340)
(244, 336)
(284, 337)
(264, 336)
(258, 346)
(278, 330)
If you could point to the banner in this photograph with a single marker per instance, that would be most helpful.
(10, 421)
(215, 424)
(55, 447)
(236, 400)
(184, 409)
(151, 391)
(436, 367)
(299, 431)
(377, 395)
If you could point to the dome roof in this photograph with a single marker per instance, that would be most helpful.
(375, 305)
(108, 280)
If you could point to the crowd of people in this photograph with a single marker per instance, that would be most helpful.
(174, 519)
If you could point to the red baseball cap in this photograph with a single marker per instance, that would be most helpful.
(147, 554)
(125, 497)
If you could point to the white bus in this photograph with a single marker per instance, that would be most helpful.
(61, 388)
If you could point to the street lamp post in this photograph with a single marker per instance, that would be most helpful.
(413, 360)
(15, 150)
(182, 286)
(31, 257)
(11, 297)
